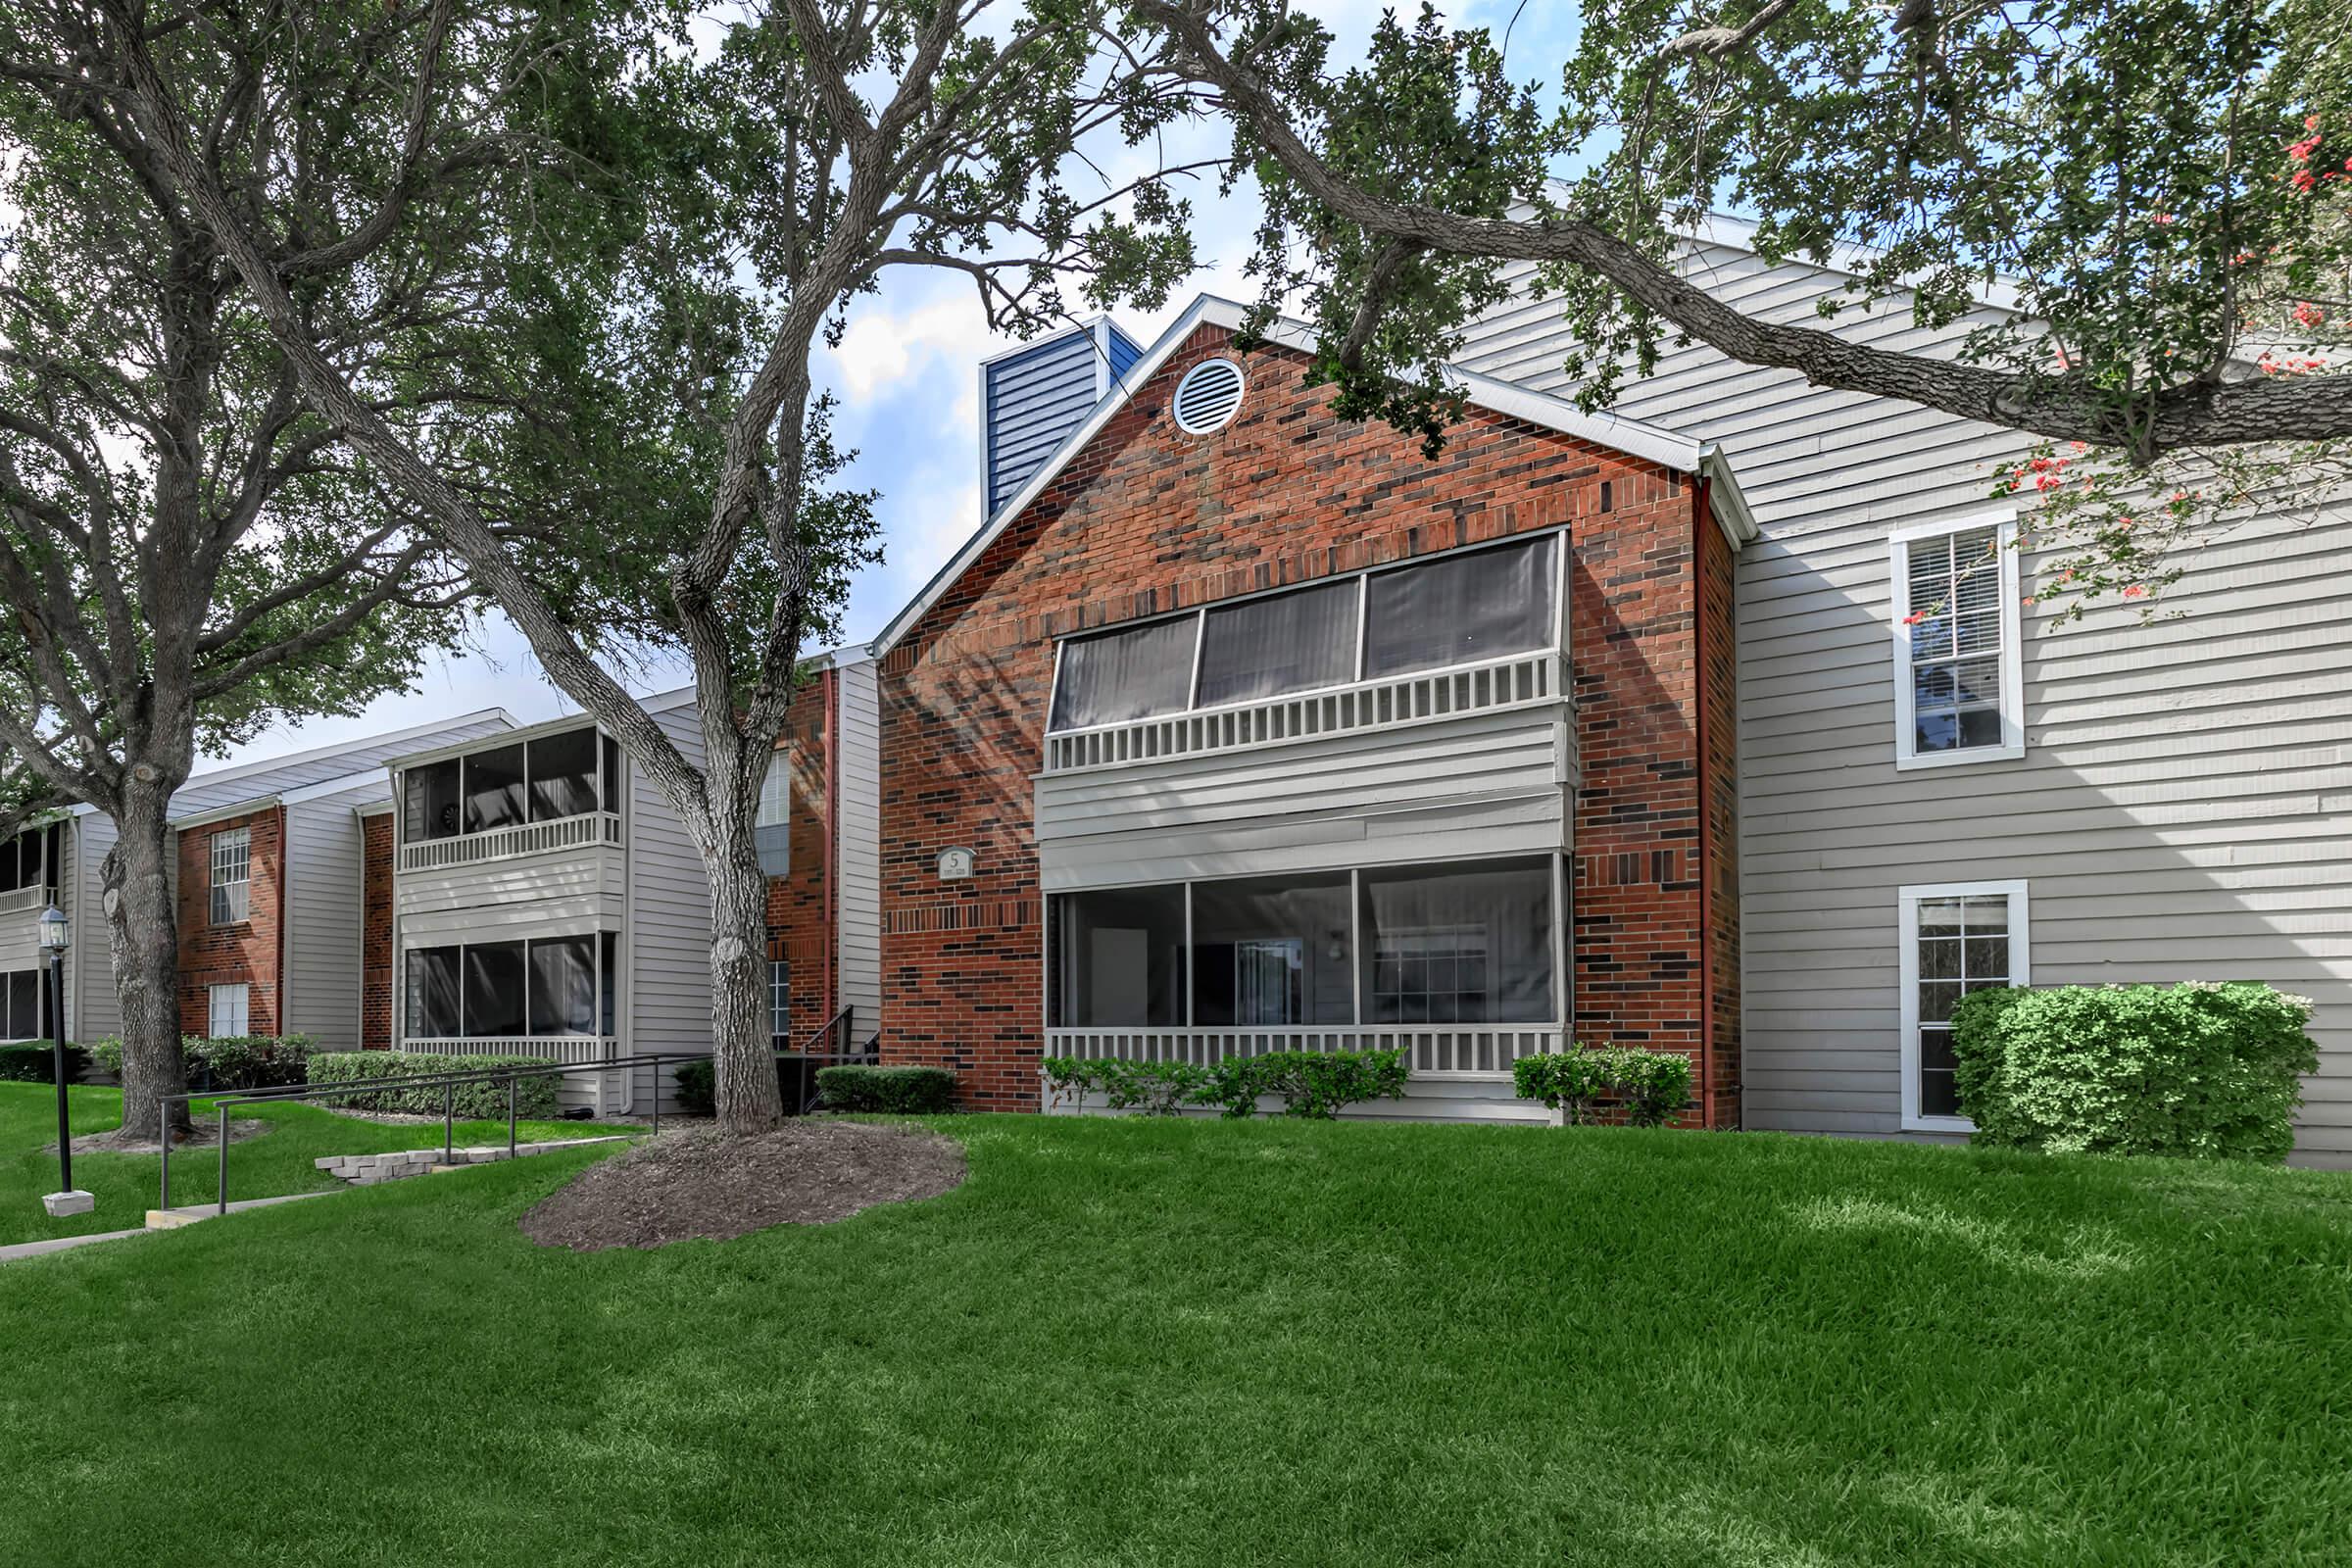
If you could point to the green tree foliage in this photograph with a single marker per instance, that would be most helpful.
(771, 178)
(2138, 206)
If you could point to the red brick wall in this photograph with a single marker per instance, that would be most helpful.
(375, 932)
(1147, 520)
(248, 951)
(799, 929)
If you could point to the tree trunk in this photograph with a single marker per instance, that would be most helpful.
(748, 1100)
(145, 937)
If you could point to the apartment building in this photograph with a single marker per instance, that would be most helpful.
(539, 897)
(1242, 728)
(267, 868)
(1989, 797)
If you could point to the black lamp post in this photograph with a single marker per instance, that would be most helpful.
(55, 935)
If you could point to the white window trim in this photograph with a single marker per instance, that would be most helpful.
(2021, 973)
(240, 838)
(2013, 675)
(776, 792)
(244, 996)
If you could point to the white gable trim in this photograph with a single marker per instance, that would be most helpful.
(1633, 438)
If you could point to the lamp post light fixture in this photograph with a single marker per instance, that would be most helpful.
(56, 937)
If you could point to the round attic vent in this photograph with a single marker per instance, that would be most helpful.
(1207, 396)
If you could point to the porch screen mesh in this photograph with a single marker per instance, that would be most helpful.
(1128, 675)
(1456, 609)
(1284, 643)
(1458, 943)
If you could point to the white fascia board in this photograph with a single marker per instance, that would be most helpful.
(1725, 499)
(1634, 437)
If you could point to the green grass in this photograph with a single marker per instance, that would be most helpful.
(125, 1185)
(1212, 1343)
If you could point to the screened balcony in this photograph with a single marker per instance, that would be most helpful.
(32, 864)
(1420, 712)
(551, 997)
(1461, 966)
(548, 793)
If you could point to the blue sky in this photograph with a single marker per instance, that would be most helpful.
(908, 378)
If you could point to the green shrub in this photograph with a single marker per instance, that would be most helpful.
(1308, 1083)
(698, 1086)
(33, 1062)
(2200, 1070)
(1649, 1086)
(1153, 1088)
(535, 1097)
(902, 1091)
(229, 1062)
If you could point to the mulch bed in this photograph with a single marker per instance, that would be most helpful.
(205, 1134)
(703, 1184)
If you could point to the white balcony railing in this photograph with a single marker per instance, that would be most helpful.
(1524, 680)
(513, 842)
(1431, 1050)
(604, 1093)
(27, 901)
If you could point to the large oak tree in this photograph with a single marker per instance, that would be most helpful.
(830, 141)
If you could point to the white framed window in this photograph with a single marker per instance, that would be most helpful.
(232, 1011)
(1959, 668)
(779, 998)
(1957, 937)
(775, 793)
(232, 873)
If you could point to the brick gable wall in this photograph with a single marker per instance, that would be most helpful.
(248, 951)
(375, 932)
(798, 904)
(1146, 520)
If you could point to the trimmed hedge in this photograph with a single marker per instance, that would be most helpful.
(535, 1099)
(229, 1062)
(34, 1062)
(901, 1091)
(2199, 1070)
(1151, 1088)
(1315, 1084)
(1309, 1083)
(1649, 1086)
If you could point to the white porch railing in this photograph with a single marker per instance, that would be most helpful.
(26, 899)
(603, 1093)
(510, 843)
(1431, 1050)
(1524, 680)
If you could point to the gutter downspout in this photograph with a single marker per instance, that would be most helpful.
(1706, 858)
(285, 925)
(832, 867)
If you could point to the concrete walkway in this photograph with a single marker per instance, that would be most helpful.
(157, 1219)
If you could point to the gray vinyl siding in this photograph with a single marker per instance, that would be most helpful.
(1030, 401)
(326, 866)
(667, 940)
(1476, 787)
(858, 844)
(2183, 809)
(92, 1011)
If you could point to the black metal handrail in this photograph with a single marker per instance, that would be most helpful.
(447, 1082)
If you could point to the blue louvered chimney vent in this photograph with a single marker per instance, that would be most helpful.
(1031, 397)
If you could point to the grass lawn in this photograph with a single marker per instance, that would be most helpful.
(125, 1185)
(1213, 1343)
